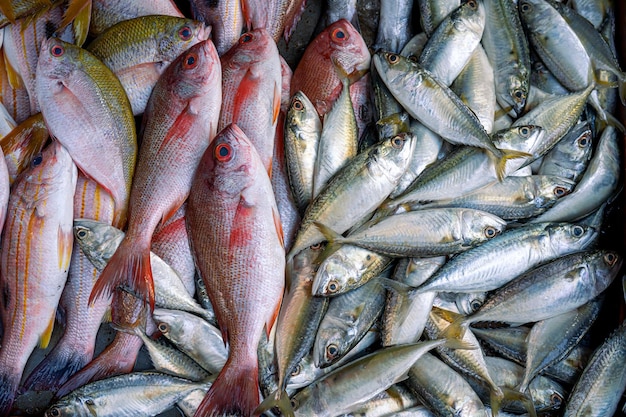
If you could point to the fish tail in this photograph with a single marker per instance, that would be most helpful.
(508, 154)
(8, 385)
(57, 367)
(235, 392)
(280, 400)
(507, 395)
(129, 267)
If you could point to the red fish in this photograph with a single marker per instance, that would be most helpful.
(236, 237)
(179, 122)
(317, 76)
(252, 83)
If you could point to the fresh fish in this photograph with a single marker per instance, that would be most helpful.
(513, 198)
(14, 99)
(389, 402)
(339, 45)
(597, 185)
(508, 50)
(570, 156)
(594, 11)
(193, 335)
(81, 98)
(432, 12)
(424, 233)
(36, 244)
(106, 13)
(336, 10)
(225, 18)
(232, 222)
(279, 17)
(139, 393)
(600, 387)
(189, 404)
(452, 44)
(481, 269)
(12, 10)
(302, 134)
(394, 25)
(252, 88)
(23, 144)
(179, 123)
(411, 85)
(77, 344)
(99, 241)
(139, 50)
(343, 203)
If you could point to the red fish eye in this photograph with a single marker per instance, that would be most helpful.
(190, 61)
(339, 35)
(185, 33)
(57, 50)
(223, 152)
(245, 38)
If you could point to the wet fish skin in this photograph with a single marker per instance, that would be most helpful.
(225, 18)
(569, 158)
(394, 25)
(180, 121)
(433, 12)
(37, 243)
(106, 13)
(23, 144)
(66, 73)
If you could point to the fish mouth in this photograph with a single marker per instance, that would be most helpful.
(204, 32)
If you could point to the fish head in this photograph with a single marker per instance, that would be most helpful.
(303, 373)
(176, 35)
(549, 188)
(253, 46)
(478, 226)
(301, 114)
(58, 60)
(396, 71)
(468, 303)
(341, 43)
(547, 394)
(341, 270)
(394, 155)
(470, 17)
(72, 406)
(525, 138)
(332, 340)
(517, 89)
(46, 168)
(574, 236)
(171, 324)
(606, 268)
(97, 240)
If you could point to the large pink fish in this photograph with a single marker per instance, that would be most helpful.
(34, 261)
(235, 234)
(252, 83)
(179, 122)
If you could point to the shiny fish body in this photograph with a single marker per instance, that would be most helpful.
(452, 44)
(509, 54)
(225, 18)
(394, 25)
(106, 13)
(36, 252)
(570, 281)
(343, 203)
(570, 156)
(139, 50)
(428, 232)
(193, 335)
(302, 134)
(513, 198)
(432, 12)
(481, 269)
(599, 389)
(140, 393)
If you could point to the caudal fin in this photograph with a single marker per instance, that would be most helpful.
(508, 154)
(56, 369)
(129, 268)
(280, 400)
(235, 392)
(8, 391)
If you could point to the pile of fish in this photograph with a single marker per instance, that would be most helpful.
(415, 217)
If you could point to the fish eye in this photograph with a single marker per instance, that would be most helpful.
(339, 35)
(163, 328)
(556, 400)
(518, 94)
(297, 104)
(560, 191)
(246, 37)
(583, 141)
(490, 232)
(81, 233)
(37, 160)
(413, 58)
(57, 50)
(397, 142)
(472, 4)
(332, 351)
(524, 131)
(89, 401)
(223, 152)
(317, 246)
(190, 61)
(475, 304)
(294, 403)
(610, 258)
(578, 231)
(332, 287)
(185, 33)
(393, 58)
(53, 412)
(525, 7)
(296, 371)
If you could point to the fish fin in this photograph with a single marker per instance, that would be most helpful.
(6, 8)
(78, 12)
(456, 329)
(508, 154)
(107, 317)
(65, 243)
(396, 286)
(234, 392)
(347, 79)
(279, 227)
(276, 103)
(278, 399)
(15, 79)
(172, 211)
(129, 266)
(9, 384)
(56, 368)
(329, 234)
(454, 343)
(507, 395)
(28, 139)
(182, 123)
(291, 24)
(247, 16)
(44, 339)
(447, 315)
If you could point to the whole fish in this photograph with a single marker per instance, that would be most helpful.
(411, 85)
(36, 251)
(139, 50)
(252, 90)
(72, 81)
(179, 123)
(232, 223)
(339, 45)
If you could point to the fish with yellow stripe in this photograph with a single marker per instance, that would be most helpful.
(35, 258)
